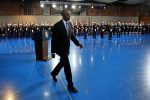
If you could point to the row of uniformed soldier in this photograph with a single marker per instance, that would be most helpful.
(118, 29)
(22, 31)
(112, 29)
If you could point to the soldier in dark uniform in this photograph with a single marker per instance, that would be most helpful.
(75, 29)
(94, 30)
(90, 29)
(143, 29)
(102, 30)
(85, 31)
(79, 29)
(123, 28)
(110, 31)
(118, 29)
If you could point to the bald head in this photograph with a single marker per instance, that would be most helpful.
(66, 14)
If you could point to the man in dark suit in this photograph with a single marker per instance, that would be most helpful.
(60, 44)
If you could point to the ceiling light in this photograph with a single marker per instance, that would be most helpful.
(66, 6)
(73, 6)
(54, 5)
(42, 5)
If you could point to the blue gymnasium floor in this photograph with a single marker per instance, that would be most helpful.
(117, 69)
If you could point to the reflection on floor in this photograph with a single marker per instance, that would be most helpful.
(117, 69)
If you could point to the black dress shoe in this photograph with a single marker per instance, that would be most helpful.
(72, 89)
(54, 77)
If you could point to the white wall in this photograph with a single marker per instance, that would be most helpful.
(99, 19)
(53, 19)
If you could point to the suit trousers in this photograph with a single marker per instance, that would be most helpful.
(64, 62)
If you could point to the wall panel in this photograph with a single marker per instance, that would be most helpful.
(145, 19)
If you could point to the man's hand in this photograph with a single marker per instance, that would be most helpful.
(53, 55)
(80, 45)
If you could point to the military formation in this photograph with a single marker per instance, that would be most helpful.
(111, 29)
(22, 30)
(104, 30)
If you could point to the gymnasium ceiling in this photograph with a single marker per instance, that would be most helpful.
(107, 1)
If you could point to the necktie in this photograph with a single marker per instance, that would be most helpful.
(67, 27)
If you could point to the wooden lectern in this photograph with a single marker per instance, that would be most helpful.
(41, 44)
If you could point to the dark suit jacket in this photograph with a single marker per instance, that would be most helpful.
(60, 42)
